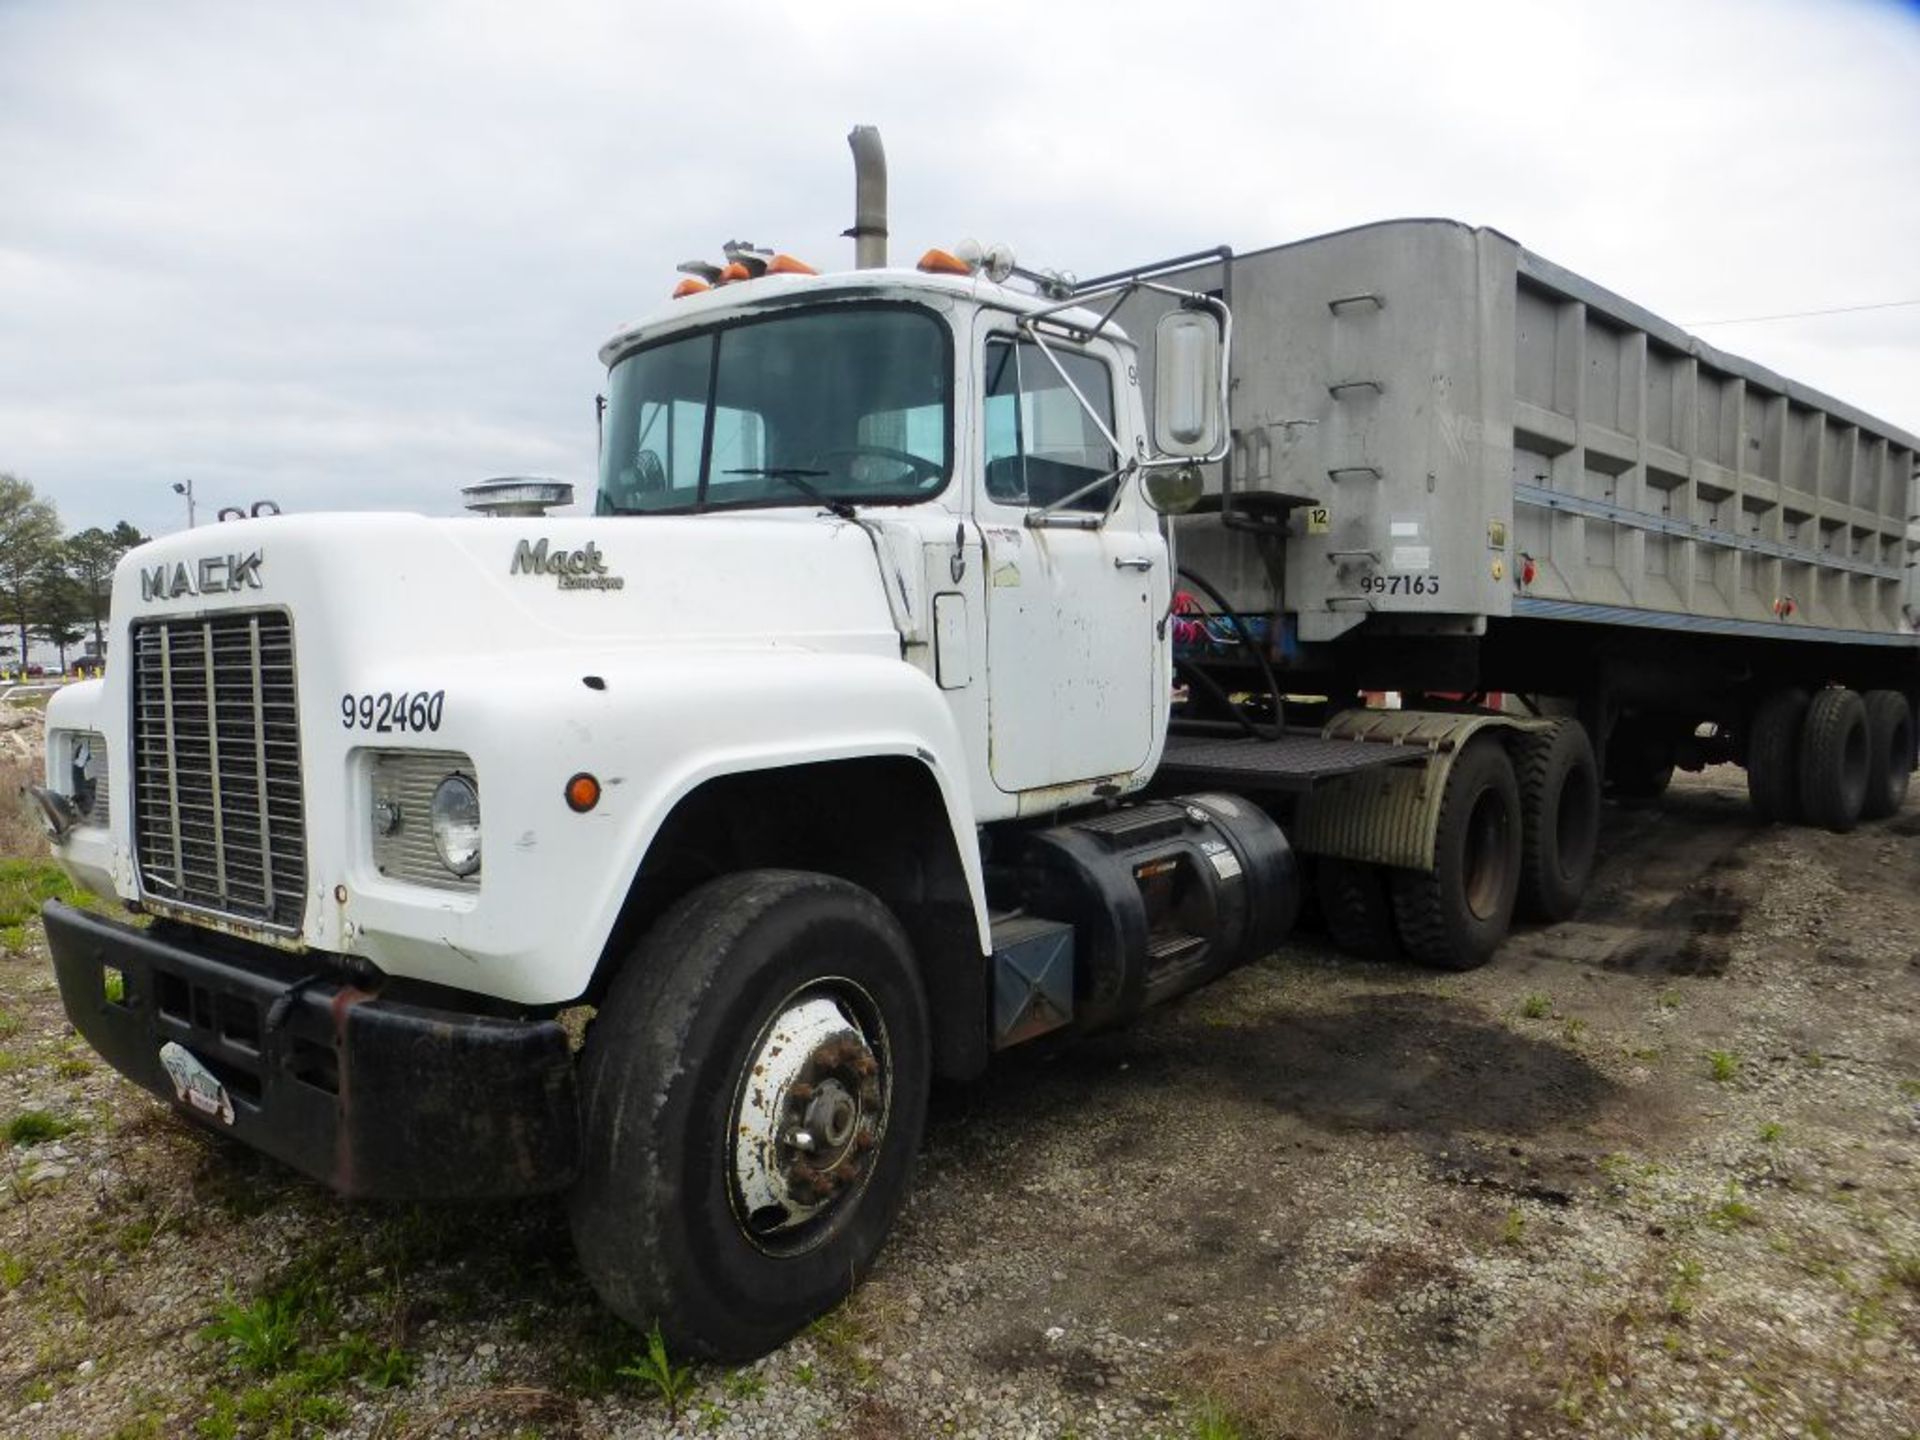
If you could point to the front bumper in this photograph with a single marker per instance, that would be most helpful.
(371, 1096)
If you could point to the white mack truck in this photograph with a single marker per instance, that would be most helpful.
(874, 720)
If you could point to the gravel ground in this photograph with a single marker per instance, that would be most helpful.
(1651, 1172)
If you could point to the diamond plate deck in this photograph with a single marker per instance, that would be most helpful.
(1296, 762)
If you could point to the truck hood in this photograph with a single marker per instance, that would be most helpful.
(396, 581)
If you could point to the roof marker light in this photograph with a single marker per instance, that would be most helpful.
(942, 262)
(787, 265)
(733, 271)
(689, 286)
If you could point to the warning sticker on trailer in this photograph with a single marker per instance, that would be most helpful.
(1412, 557)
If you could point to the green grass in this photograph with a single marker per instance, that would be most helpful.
(1771, 1132)
(1210, 1422)
(36, 1127)
(262, 1337)
(1903, 1270)
(1687, 1274)
(1536, 1006)
(13, 1270)
(1514, 1230)
(656, 1370)
(9, 1024)
(1723, 1065)
(1733, 1211)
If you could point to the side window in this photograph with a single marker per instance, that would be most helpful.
(1041, 444)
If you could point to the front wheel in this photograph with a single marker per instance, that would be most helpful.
(753, 1093)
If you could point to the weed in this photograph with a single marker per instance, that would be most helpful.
(1910, 1089)
(1536, 1006)
(1733, 1211)
(1687, 1274)
(1210, 1422)
(712, 1415)
(1902, 1270)
(35, 1127)
(673, 1383)
(803, 1373)
(744, 1385)
(115, 987)
(13, 1270)
(9, 1024)
(72, 1067)
(1514, 1231)
(1669, 999)
(1723, 1065)
(1573, 1030)
(1771, 1132)
(262, 1337)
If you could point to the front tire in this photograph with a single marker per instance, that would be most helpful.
(753, 1093)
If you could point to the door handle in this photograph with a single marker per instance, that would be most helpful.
(1133, 562)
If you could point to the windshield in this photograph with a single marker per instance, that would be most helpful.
(843, 404)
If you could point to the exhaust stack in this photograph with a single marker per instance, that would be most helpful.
(869, 232)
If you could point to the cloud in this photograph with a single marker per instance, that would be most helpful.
(362, 254)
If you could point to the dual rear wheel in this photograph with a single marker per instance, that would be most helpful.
(1833, 758)
(1518, 830)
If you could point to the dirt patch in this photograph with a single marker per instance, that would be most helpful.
(1649, 1172)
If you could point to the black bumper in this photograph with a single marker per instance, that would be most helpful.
(370, 1096)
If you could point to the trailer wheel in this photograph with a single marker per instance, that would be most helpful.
(1358, 909)
(752, 1097)
(1456, 915)
(1773, 755)
(1560, 819)
(1833, 760)
(1890, 753)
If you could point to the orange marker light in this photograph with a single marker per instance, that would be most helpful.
(583, 793)
(735, 271)
(941, 262)
(689, 286)
(787, 265)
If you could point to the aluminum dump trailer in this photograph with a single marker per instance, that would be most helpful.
(1437, 431)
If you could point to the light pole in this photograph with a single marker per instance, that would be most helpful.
(185, 487)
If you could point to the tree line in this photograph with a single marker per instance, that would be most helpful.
(53, 586)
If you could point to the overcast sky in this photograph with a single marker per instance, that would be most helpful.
(351, 255)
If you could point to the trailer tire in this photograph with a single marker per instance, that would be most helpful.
(1455, 916)
(1890, 753)
(1833, 760)
(1560, 819)
(749, 989)
(1358, 909)
(1773, 755)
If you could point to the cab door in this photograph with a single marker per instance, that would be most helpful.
(1072, 607)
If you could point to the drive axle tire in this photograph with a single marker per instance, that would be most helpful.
(1358, 909)
(1559, 817)
(1833, 760)
(1773, 755)
(1455, 916)
(752, 1095)
(1890, 753)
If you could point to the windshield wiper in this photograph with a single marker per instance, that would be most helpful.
(798, 477)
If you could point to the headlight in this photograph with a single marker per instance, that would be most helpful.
(456, 824)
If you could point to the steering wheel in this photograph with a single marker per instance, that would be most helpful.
(918, 466)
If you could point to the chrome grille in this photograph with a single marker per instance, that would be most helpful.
(217, 813)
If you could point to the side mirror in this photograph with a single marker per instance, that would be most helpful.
(1187, 346)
